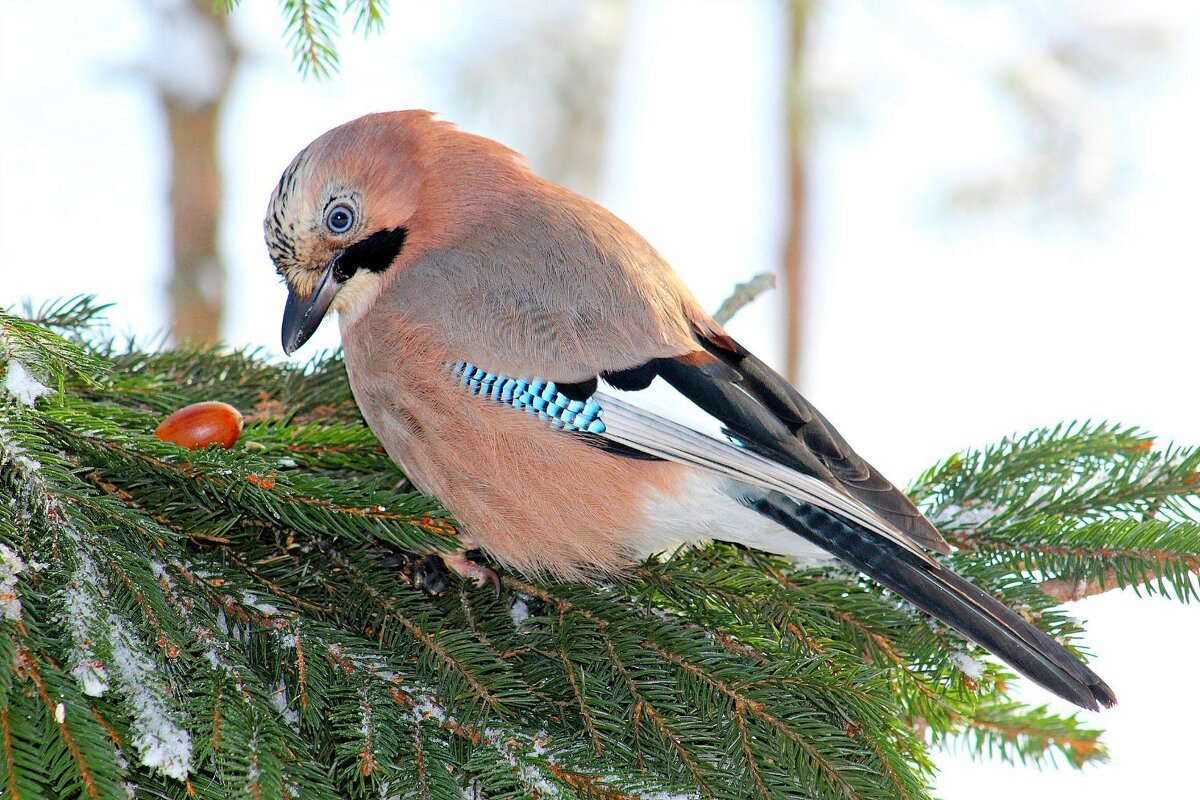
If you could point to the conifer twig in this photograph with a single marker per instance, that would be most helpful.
(1067, 589)
(286, 650)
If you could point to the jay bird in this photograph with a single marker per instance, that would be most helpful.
(497, 329)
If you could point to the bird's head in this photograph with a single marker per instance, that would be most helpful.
(340, 218)
(359, 203)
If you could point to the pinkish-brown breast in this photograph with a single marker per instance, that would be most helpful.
(534, 497)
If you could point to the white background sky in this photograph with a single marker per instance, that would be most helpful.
(927, 332)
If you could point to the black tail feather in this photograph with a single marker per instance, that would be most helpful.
(946, 596)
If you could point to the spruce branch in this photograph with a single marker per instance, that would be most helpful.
(1072, 590)
(1089, 504)
(311, 28)
(1033, 736)
(79, 316)
(369, 14)
(35, 353)
(247, 598)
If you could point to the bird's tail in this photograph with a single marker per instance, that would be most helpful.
(945, 595)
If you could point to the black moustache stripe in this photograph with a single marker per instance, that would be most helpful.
(374, 253)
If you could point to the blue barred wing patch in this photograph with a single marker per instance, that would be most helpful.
(536, 396)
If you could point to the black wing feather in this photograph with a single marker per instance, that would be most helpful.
(810, 426)
(719, 389)
(762, 410)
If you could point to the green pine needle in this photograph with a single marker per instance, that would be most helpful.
(253, 598)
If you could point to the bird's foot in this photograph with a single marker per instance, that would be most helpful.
(431, 572)
(472, 565)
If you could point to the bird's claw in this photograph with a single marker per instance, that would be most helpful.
(430, 573)
(472, 565)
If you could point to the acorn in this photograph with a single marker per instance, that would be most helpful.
(202, 424)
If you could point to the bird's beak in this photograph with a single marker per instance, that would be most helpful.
(302, 316)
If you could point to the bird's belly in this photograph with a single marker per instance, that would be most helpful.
(539, 498)
(534, 497)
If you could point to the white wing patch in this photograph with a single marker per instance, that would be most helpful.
(649, 432)
(707, 508)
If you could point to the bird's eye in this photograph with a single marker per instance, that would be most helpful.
(339, 219)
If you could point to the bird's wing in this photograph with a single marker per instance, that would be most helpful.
(774, 472)
(766, 438)
(764, 412)
(559, 288)
(643, 431)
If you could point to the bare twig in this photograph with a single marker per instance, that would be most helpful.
(742, 295)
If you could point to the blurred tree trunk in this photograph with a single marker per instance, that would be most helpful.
(191, 83)
(197, 283)
(793, 272)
